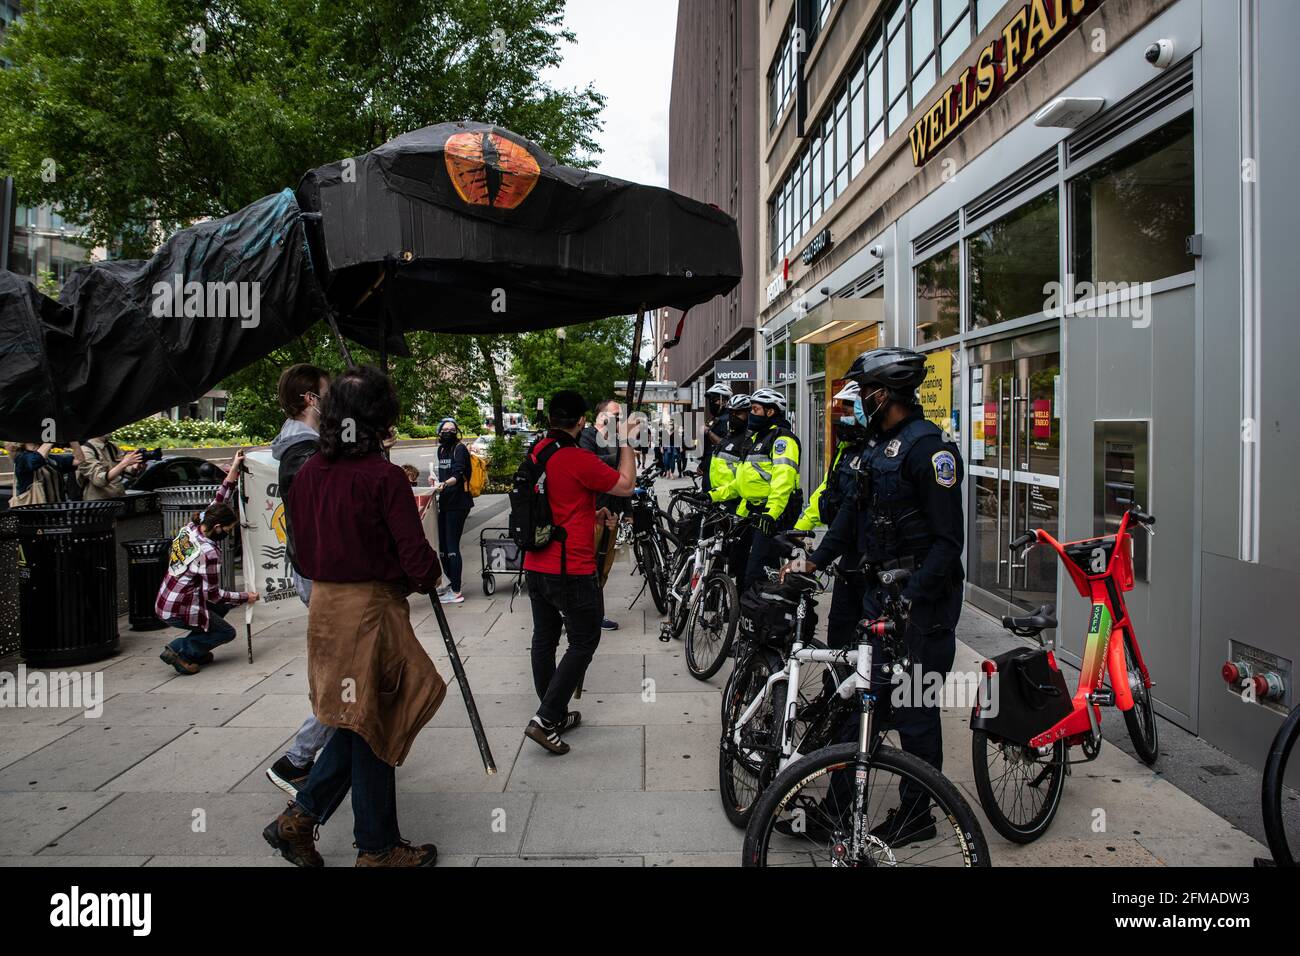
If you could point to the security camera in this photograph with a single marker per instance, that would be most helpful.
(1160, 54)
(878, 251)
(765, 332)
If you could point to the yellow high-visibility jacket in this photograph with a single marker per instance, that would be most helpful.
(769, 473)
(722, 465)
(811, 518)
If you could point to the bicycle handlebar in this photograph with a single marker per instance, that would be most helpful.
(1026, 539)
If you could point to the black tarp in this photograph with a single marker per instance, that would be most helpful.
(460, 228)
(119, 344)
(489, 234)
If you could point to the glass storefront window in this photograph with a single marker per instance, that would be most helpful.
(1133, 212)
(1012, 261)
(938, 296)
(816, 360)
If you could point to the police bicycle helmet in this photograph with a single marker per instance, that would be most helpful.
(770, 398)
(722, 390)
(738, 403)
(900, 370)
(849, 393)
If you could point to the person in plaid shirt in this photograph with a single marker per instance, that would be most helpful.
(191, 596)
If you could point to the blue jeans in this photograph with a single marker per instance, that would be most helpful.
(450, 526)
(199, 642)
(348, 763)
(312, 736)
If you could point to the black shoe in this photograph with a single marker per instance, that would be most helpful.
(904, 826)
(609, 625)
(547, 735)
(571, 720)
(806, 823)
(287, 776)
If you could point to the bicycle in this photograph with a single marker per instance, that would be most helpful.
(826, 807)
(749, 748)
(1282, 846)
(1019, 752)
(704, 598)
(654, 547)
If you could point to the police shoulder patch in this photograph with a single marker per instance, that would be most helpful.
(945, 469)
(779, 446)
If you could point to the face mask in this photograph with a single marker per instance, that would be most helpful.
(218, 536)
(756, 423)
(737, 425)
(449, 438)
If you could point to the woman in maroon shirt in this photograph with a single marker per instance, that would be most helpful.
(358, 538)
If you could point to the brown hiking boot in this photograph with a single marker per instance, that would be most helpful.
(294, 834)
(401, 855)
(184, 667)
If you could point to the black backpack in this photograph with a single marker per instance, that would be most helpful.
(532, 523)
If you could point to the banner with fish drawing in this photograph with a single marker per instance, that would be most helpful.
(266, 559)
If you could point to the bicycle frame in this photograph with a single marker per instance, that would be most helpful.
(1104, 644)
(700, 565)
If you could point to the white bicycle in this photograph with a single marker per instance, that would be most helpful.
(703, 595)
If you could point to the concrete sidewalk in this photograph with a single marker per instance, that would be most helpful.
(172, 772)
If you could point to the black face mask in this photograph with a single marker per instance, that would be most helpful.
(449, 439)
(847, 430)
(757, 423)
(218, 536)
(737, 425)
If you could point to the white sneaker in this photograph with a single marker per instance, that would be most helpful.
(443, 589)
(451, 597)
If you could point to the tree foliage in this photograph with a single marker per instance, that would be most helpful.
(138, 117)
(588, 360)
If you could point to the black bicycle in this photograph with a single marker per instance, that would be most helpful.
(654, 546)
(1281, 844)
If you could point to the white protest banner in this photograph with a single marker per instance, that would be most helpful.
(266, 559)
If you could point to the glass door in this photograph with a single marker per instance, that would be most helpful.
(1015, 466)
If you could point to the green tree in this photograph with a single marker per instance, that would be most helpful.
(589, 359)
(137, 117)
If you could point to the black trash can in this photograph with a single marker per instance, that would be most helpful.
(67, 582)
(146, 566)
(8, 583)
(178, 506)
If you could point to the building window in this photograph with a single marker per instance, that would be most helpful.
(1133, 212)
(1013, 260)
(938, 296)
(781, 78)
(923, 75)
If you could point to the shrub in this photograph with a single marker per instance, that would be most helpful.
(158, 431)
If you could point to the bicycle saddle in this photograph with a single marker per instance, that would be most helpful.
(1044, 619)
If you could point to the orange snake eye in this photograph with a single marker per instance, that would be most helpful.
(490, 170)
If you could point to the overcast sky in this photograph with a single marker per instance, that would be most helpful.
(625, 48)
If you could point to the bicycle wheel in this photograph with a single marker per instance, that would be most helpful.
(1281, 844)
(1019, 788)
(679, 606)
(647, 559)
(744, 770)
(807, 818)
(713, 626)
(1141, 720)
(820, 711)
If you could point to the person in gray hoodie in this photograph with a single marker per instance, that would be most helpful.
(301, 389)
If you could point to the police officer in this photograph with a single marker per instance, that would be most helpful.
(722, 472)
(907, 515)
(767, 480)
(838, 489)
(715, 432)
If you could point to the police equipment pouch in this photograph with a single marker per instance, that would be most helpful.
(1026, 697)
(769, 614)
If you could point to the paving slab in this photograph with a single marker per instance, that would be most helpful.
(30, 821)
(478, 824)
(169, 710)
(559, 861)
(86, 759)
(202, 760)
(682, 757)
(603, 758)
(73, 862)
(286, 711)
(447, 760)
(617, 823)
(20, 740)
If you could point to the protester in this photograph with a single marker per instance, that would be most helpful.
(454, 504)
(358, 538)
(563, 584)
(602, 439)
(38, 472)
(100, 473)
(412, 474)
(300, 392)
(191, 596)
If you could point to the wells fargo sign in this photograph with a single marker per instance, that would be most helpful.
(1028, 35)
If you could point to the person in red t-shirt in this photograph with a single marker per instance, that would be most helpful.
(564, 588)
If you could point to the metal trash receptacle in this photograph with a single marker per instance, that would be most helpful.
(9, 642)
(178, 506)
(146, 566)
(67, 582)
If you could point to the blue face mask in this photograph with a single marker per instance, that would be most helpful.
(860, 414)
